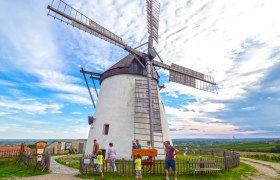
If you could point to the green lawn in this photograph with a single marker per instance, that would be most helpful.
(10, 168)
(246, 146)
(72, 160)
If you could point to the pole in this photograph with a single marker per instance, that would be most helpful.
(149, 79)
(82, 70)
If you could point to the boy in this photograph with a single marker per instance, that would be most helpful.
(100, 160)
(137, 162)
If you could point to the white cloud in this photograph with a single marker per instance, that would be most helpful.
(28, 106)
(249, 108)
(73, 98)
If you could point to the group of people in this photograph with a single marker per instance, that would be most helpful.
(111, 157)
(170, 153)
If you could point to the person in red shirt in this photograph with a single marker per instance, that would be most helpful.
(95, 147)
(170, 151)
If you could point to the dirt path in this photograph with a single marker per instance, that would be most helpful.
(266, 170)
(58, 171)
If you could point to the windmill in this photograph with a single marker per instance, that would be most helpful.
(129, 104)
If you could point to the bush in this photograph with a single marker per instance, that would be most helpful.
(276, 149)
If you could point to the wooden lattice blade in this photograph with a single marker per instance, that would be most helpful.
(66, 13)
(189, 77)
(153, 8)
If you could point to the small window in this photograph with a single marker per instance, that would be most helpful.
(106, 129)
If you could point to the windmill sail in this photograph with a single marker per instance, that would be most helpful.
(153, 7)
(66, 13)
(189, 77)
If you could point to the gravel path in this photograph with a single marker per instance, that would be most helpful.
(57, 168)
(266, 170)
(58, 171)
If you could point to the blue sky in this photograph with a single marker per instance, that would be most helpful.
(43, 95)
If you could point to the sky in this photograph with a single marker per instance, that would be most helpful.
(43, 94)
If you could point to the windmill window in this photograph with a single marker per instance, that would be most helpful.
(106, 129)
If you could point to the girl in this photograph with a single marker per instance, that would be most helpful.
(138, 167)
(100, 160)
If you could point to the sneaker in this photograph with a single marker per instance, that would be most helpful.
(175, 178)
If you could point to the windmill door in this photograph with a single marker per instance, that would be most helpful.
(81, 147)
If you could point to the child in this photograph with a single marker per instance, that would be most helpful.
(100, 160)
(138, 167)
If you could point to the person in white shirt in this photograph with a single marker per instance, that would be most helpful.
(149, 158)
(111, 152)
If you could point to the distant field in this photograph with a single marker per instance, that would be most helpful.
(247, 146)
(273, 147)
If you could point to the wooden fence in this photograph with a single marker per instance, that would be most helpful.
(31, 161)
(186, 166)
(11, 153)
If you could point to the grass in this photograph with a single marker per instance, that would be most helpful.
(246, 146)
(72, 161)
(66, 154)
(264, 157)
(240, 172)
(194, 156)
(10, 168)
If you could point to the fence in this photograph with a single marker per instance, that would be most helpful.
(31, 161)
(186, 166)
(11, 153)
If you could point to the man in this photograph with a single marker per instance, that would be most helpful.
(169, 159)
(95, 147)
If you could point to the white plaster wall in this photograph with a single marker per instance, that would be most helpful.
(164, 123)
(115, 106)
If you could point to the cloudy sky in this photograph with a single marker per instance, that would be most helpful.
(43, 95)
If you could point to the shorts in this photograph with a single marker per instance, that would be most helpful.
(99, 167)
(170, 163)
(138, 174)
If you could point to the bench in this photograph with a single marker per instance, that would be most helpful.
(202, 168)
(147, 163)
(206, 169)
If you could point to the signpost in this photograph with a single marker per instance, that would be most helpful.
(40, 150)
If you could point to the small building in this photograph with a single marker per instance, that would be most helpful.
(66, 146)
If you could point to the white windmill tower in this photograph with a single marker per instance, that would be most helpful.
(129, 105)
